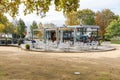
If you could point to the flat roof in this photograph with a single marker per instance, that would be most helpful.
(83, 26)
(65, 27)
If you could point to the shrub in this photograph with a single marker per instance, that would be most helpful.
(19, 42)
(100, 42)
(27, 46)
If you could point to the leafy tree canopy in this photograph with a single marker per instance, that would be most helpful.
(2, 27)
(40, 25)
(49, 25)
(34, 25)
(103, 19)
(8, 27)
(86, 16)
(72, 19)
(21, 28)
(113, 29)
(40, 6)
(3, 19)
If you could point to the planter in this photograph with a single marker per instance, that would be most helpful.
(27, 46)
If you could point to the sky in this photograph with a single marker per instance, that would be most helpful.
(58, 18)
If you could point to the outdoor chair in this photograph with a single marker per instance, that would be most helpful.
(93, 45)
(52, 45)
(78, 45)
(41, 45)
(64, 46)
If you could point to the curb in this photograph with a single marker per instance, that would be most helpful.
(62, 51)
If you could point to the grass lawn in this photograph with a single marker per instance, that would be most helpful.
(115, 42)
(16, 64)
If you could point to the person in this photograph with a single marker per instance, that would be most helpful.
(53, 36)
(91, 39)
(85, 38)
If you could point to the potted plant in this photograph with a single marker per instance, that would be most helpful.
(27, 46)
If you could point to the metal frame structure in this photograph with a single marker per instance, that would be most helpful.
(60, 31)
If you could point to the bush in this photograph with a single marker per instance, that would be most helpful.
(100, 42)
(27, 46)
(20, 42)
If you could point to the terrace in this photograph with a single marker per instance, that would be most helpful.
(80, 38)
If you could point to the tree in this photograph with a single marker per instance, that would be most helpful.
(40, 25)
(40, 6)
(66, 5)
(11, 6)
(21, 29)
(2, 28)
(9, 28)
(86, 16)
(49, 25)
(32, 27)
(6, 26)
(113, 29)
(72, 19)
(3, 19)
(40, 32)
(103, 19)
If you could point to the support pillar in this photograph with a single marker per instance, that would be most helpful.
(57, 36)
(61, 36)
(44, 36)
(74, 35)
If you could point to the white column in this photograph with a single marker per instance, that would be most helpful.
(44, 35)
(74, 35)
(57, 36)
(61, 36)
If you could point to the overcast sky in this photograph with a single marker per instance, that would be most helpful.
(57, 17)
